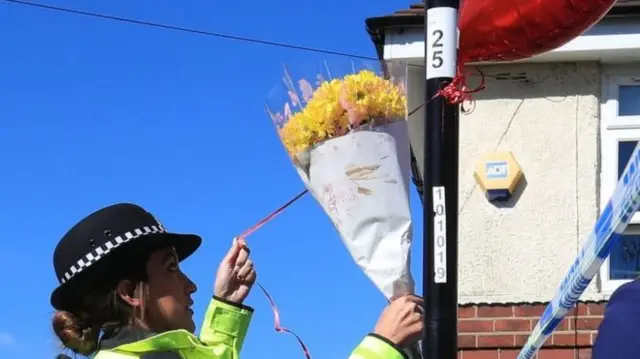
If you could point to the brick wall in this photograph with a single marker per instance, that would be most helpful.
(499, 331)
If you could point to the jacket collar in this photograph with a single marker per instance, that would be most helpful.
(124, 335)
(136, 340)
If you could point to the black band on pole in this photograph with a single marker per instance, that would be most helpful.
(440, 192)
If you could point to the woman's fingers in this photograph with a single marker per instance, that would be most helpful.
(245, 269)
(232, 255)
(243, 255)
(247, 273)
(251, 277)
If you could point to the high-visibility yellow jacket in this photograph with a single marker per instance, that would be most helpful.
(221, 337)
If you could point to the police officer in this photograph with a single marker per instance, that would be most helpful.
(122, 295)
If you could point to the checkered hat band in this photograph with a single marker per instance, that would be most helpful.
(88, 259)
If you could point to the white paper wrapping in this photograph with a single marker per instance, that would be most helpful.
(362, 182)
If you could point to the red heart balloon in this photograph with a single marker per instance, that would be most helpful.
(507, 30)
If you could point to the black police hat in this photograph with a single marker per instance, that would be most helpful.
(99, 245)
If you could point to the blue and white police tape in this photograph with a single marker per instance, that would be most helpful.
(624, 203)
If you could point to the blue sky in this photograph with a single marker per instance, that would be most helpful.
(94, 112)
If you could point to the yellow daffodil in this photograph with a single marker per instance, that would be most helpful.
(338, 105)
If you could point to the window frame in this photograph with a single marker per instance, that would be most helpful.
(615, 129)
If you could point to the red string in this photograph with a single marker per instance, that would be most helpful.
(457, 92)
(271, 216)
(276, 314)
(281, 329)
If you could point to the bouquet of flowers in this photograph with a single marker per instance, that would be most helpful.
(348, 139)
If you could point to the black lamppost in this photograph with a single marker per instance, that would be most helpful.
(440, 191)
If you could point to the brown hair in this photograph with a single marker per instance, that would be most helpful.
(102, 312)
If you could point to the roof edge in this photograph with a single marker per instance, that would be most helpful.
(377, 26)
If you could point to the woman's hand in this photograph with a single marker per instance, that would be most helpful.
(236, 274)
(402, 321)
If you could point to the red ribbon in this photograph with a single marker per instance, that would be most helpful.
(281, 329)
(276, 314)
(271, 216)
(457, 91)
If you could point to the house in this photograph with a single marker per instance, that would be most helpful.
(571, 118)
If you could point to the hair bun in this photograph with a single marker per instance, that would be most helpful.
(74, 333)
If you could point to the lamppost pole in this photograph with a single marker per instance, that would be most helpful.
(440, 192)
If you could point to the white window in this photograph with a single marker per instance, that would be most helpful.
(620, 132)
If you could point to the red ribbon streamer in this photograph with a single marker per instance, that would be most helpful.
(457, 92)
(281, 329)
(276, 314)
(271, 216)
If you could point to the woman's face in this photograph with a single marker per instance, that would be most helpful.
(168, 302)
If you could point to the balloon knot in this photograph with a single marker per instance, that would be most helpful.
(457, 92)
